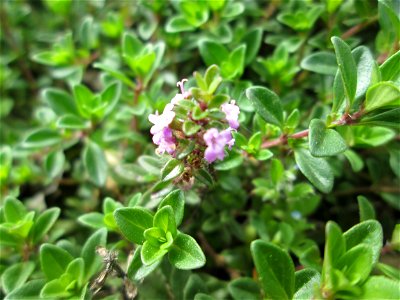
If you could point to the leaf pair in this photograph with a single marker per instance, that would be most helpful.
(350, 256)
(159, 235)
(68, 276)
(19, 226)
(276, 273)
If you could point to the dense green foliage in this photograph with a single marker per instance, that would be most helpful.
(90, 209)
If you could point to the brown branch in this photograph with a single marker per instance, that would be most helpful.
(346, 119)
(138, 90)
(359, 27)
(218, 259)
(25, 70)
(369, 190)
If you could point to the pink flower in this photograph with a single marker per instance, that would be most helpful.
(177, 98)
(231, 111)
(163, 120)
(165, 141)
(216, 142)
(162, 134)
(184, 94)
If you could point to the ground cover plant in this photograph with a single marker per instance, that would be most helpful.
(200, 149)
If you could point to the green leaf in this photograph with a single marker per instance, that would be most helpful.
(185, 253)
(137, 270)
(323, 141)
(390, 68)
(365, 63)
(29, 291)
(41, 138)
(321, 63)
(316, 169)
(151, 254)
(172, 169)
(263, 154)
(190, 127)
(93, 220)
(277, 171)
(114, 73)
(196, 13)
(232, 9)
(194, 285)
(244, 288)
(302, 19)
(60, 101)
(367, 211)
(354, 159)
(57, 288)
(394, 161)
(306, 282)
(176, 200)
(216, 5)
(347, 67)
(132, 222)
(92, 261)
(72, 122)
(9, 239)
(43, 223)
(275, 269)
(16, 275)
(53, 260)
(204, 177)
(84, 100)
(150, 164)
(201, 83)
(76, 269)
(178, 24)
(356, 263)
(5, 162)
(233, 160)
(252, 40)
(165, 220)
(267, 104)
(338, 93)
(380, 287)
(110, 96)
(54, 163)
(131, 45)
(88, 34)
(213, 52)
(156, 236)
(369, 233)
(372, 136)
(254, 142)
(382, 94)
(14, 210)
(234, 66)
(110, 205)
(335, 247)
(95, 163)
(212, 79)
(391, 272)
(59, 7)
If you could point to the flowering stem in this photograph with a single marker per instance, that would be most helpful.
(346, 119)
(138, 90)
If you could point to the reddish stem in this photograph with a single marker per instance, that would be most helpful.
(346, 119)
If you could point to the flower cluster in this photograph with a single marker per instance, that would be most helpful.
(215, 140)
